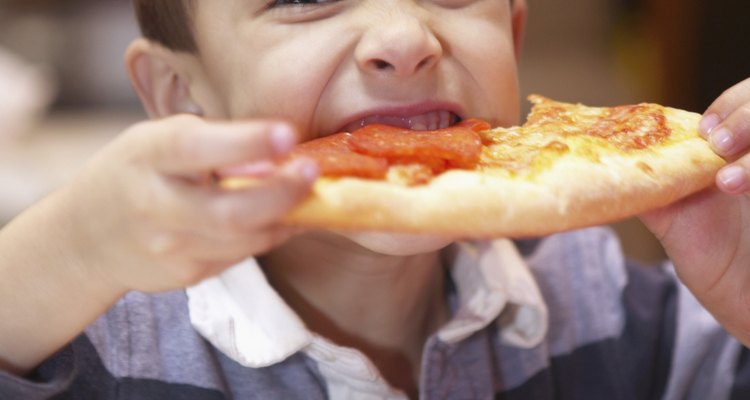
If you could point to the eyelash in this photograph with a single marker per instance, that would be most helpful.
(297, 3)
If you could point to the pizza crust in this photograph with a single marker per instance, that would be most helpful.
(574, 192)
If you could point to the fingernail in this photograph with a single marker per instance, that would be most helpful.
(732, 178)
(282, 139)
(707, 124)
(308, 169)
(722, 140)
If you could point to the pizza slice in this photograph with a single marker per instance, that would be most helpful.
(569, 166)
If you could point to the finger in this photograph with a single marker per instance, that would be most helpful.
(231, 212)
(723, 106)
(735, 178)
(258, 169)
(267, 200)
(732, 136)
(187, 144)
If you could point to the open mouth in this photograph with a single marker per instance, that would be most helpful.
(427, 121)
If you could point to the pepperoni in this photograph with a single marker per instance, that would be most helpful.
(371, 150)
(455, 147)
(336, 159)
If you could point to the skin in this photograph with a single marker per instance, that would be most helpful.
(260, 83)
(381, 57)
(706, 236)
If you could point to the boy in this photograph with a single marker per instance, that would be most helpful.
(336, 314)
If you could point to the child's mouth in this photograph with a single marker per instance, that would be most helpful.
(428, 121)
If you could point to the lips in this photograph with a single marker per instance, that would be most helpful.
(430, 120)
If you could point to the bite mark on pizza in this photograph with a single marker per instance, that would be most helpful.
(569, 166)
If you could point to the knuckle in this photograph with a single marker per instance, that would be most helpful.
(729, 100)
(184, 146)
(727, 94)
(732, 95)
(137, 129)
(744, 110)
(180, 138)
(183, 121)
(739, 123)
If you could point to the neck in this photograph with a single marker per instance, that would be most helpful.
(385, 306)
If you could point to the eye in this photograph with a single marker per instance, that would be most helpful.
(283, 3)
(294, 11)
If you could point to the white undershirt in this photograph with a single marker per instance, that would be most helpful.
(243, 316)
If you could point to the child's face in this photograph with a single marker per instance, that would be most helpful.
(327, 65)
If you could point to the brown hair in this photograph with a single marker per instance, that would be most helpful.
(167, 22)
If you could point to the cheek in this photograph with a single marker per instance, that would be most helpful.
(497, 71)
(277, 88)
(398, 244)
(486, 52)
(503, 94)
(278, 82)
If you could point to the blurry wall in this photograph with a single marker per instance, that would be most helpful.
(568, 53)
(80, 42)
(723, 41)
(74, 47)
(682, 53)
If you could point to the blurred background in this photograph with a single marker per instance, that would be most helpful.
(64, 91)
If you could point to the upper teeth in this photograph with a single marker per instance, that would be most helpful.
(431, 120)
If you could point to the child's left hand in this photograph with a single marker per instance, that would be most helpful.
(707, 236)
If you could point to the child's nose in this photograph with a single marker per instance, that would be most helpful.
(401, 44)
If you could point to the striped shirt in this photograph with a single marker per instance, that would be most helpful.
(610, 330)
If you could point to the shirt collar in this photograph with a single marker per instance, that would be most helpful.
(243, 316)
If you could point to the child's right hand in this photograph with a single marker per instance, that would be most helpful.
(141, 216)
(147, 216)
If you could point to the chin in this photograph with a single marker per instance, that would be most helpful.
(399, 244)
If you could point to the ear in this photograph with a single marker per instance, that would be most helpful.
(519, 12)
(160, 78)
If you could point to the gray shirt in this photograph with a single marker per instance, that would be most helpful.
(615, 331)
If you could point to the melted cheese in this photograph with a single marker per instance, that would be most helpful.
(556, 129)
